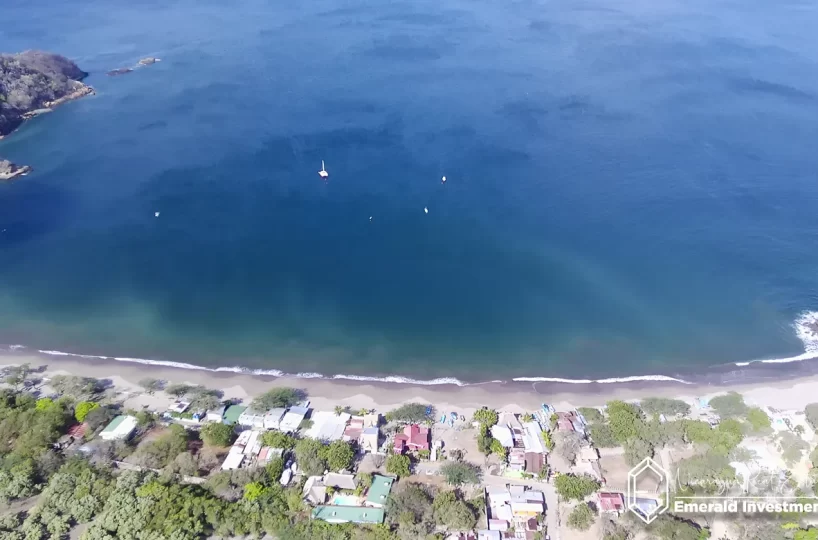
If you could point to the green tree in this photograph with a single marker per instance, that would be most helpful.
(758, 419)
(410, 503)
(486, 417)
(636, 450)
(339, 456)
(43, 404)
(484, 440)
(590, 414)
(364, 480)
(452, 512)
(458, 473)
(217, 434)
(581, 517)
(151, 385)
(253, 491)
(178, 390)
(83, 408)
(729, 405)
(16, 376)
(311, 456)
(278, 397)
(602, 436)
(278, 439)
(85, 388)
(811, 412)
(414, 413)
(398, 465)
(573, 487)
(669, 407)
(499, 450)
(624, 419)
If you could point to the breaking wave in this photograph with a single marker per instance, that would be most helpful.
(805, 326)
(806, 329)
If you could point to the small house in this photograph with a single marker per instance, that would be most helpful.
(251, 418)
(340, 481)
(232, 414)
(611, 502)
(293, 418)
(349, 514)
(178, 406)
(414, 437)
(368, 440)
(273, 418)
(121, 428)
(379, 491)
(216, 415)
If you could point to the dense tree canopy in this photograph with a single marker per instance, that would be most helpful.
(398, 465)
(666, 406)
(581, 517)
(486, 417)
(217, 434)
(411, 413)
(730, 405)
(278, 439)
(83, 408)
(573, 487)
(278, 397)
(591, 415)
(452, 512)
(458, 473)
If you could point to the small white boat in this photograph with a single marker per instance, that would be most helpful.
(426, 210)
(286, 476)
(323, 172)
(443, 180)
(156, 214)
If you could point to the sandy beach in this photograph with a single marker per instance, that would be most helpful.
(793, 392)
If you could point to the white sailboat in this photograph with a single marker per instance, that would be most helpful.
(323, 172)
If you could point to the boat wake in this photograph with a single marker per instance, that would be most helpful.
(805, 326)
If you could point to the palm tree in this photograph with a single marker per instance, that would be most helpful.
(527, 417)
(363, 412)
(338, 410)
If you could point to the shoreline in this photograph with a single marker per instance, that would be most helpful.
(763, 389)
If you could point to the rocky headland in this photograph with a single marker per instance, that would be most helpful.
(9, 170)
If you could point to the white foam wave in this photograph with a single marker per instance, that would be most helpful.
(611, 380)
(806, 329)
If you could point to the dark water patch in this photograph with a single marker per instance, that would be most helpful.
(790, 93)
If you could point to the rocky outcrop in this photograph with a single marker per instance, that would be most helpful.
(9, 170)
(35, 80)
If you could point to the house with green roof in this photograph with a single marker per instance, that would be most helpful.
(120, 428)
(231, 415)
(379, 491)
(349, 514)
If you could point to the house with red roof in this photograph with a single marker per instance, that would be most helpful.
(611, 502)
(414, 437)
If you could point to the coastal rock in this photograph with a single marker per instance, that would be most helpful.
(9, 170)
(35, 80)
(120, 71)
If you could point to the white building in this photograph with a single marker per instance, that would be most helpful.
(273, 417)
(216, 415)
(120, 429)
(328, 426)
(293, 419)
(251, 418)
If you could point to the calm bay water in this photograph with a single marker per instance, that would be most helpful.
(632, 188)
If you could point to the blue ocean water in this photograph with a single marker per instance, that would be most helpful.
(631, 188)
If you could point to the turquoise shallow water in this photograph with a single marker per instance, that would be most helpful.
(631, 189)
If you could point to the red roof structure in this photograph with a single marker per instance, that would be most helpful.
(77, 430)
(414, 437)
(611, 502)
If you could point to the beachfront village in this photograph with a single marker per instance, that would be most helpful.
(82, 458)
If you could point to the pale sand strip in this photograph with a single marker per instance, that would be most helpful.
(326, 394)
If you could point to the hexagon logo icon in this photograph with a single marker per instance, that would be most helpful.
(648, 493)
